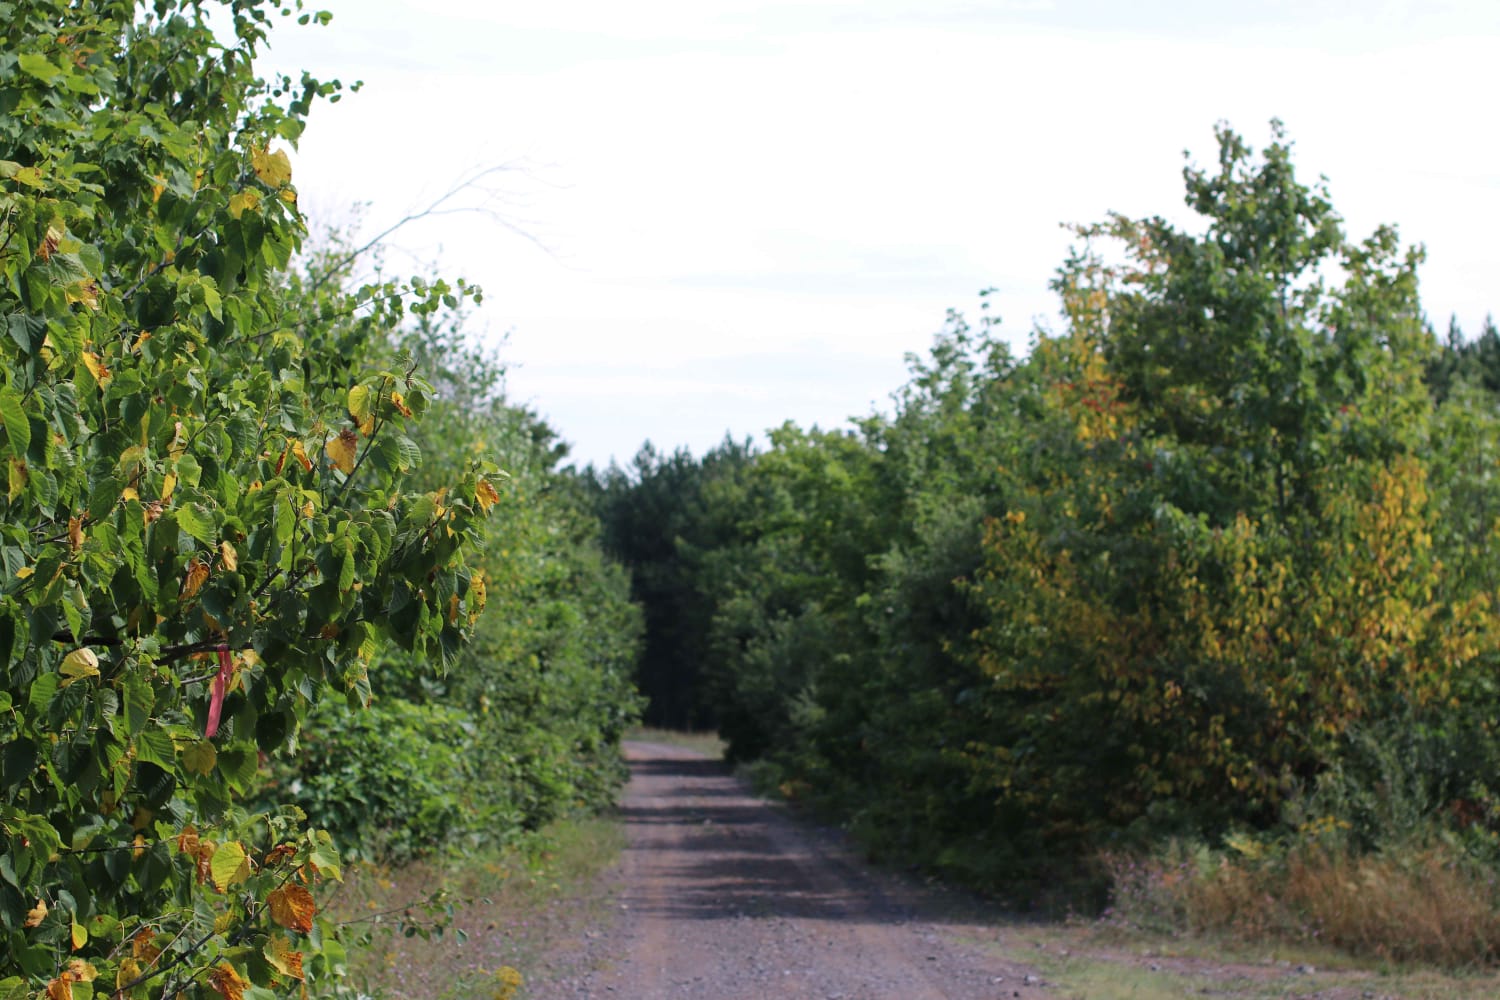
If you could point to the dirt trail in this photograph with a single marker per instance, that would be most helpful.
(720, 895)
(724, 897)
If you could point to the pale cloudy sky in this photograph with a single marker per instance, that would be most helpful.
(738, 212)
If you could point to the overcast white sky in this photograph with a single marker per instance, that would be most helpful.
(745, 211)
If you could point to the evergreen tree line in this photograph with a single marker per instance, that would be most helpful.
(1215, 558)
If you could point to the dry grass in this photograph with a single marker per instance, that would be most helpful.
(1428, 905)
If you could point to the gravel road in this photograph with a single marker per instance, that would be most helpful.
(722, 895)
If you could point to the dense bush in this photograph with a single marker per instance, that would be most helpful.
(388, 780)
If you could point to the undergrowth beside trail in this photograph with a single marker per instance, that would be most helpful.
(477, 925)
(1429, 903)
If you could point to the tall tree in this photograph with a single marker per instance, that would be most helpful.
(208, 525)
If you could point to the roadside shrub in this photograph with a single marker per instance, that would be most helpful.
(387, 781)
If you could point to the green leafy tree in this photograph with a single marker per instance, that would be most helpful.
(208, 527)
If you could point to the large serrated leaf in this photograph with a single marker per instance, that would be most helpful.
(156, 746)
(198, 521)
(36, 65)
(17, 427)
(285, 521)
(139, 700)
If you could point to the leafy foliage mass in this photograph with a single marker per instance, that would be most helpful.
(234, 510)
(1168, 575)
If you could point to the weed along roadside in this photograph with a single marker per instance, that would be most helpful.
(481, 923)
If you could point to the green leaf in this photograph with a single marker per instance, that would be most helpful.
(37, 66)
(285, 521)
(139, 700)
(17, 762)
(239, 765)
(198, 521)
(212, 300)
(17, 427)
(156, 747)
(410, 454)
(43, 690)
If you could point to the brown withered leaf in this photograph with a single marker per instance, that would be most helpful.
(226, 982)
(292, 906)
(61, 988)
(143, 946)
(283, 958)
(197, 576)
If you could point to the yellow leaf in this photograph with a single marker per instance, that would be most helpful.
(86, 292)
(50, 242)
(75, 533)
(360, 409)
(242, 202)
(79, 664)
(226, 982)
(273, 169)
(342, 450)
(283, 959)
(200, 757)
(18, 477)
(168, 485)
(229, 865)
(399, 402)
(477, 596)
(128, 972)
(453, 609)
(36, 914)
(96, 367)
(61, 988)
(486, 495)
(292, 907)
(82, 971)
(299, 452)
(197, 576)
(229, 557)
(80, 938)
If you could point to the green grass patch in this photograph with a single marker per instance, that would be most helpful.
(707, 743)
(474, 925)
